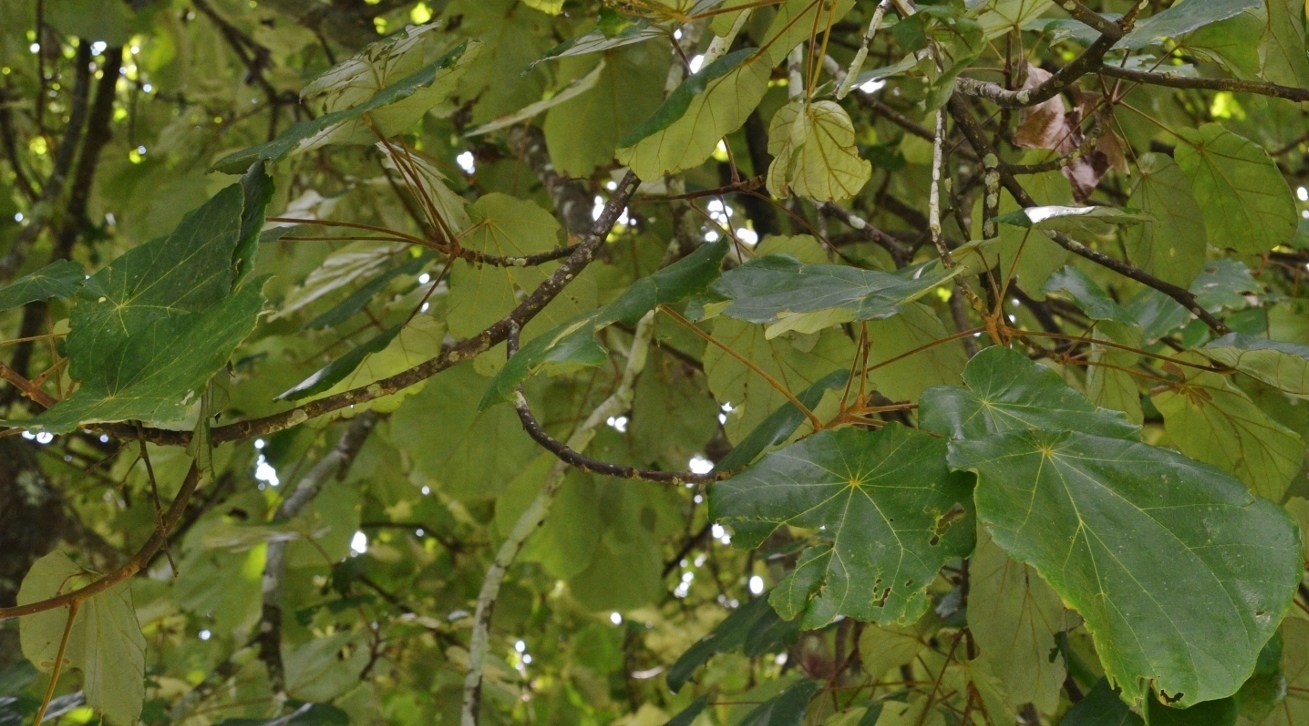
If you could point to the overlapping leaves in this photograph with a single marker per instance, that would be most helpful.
(1063, 487)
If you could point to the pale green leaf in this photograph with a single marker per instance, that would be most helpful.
(1073, 220)
(324, 668)
(1246, 203)
(998, 17)
(105, 642)
(596, 41)
(573, 89)
(1182, 18)
(794, 361)
(916, 327)
(887, 507)
(1284, 366)
(1015, 616)
(1171, 245)
(1213, 421)
(813, 145)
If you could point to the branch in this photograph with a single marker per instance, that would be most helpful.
(98, 134)
(333, 466)
(900, 254)
(968, 125)
(1207, 84)
(134, 565)
(453, 354)
(617, 403)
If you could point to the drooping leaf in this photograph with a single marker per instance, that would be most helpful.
(359, 119)
(780, 424)
(1284, 366)
(1220, 712)
(1014, 616)
(105, 642)
(1246, 203)
(1009, 392)
(1180, 19)
(573, 344)
(1095, 516)
(328, 376)
(1073, 220)
(1224, 284)
(597, 41)
(726, 637)
(1088, 295)
(686, 128)
(57, 279)
(687, 716)
(342, 311)
(813, 145)
(887, 508)
(786, 709)
(1171, 246)
(1211, 420)
(779, 291)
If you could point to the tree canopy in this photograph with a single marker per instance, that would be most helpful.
(689, 362)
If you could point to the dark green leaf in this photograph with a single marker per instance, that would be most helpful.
(1009, 392)
(1221, 712)
(885, 504)
(57, 279)
(785, 709)
(1101, 707)
(341, 312)
(1089, 296)
(781, 423)
(687, 716)
(332, 373)
(725, 638)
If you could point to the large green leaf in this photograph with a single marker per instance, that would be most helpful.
(1212, 420)
(1008, 392)
(914, 337)
(573, 344)
(1284, 366)
(1171, 246)
(390, 109)
(57, 279)
(781, 292)
(105, 642)
(686, 128)
(888, 509)
(150, 329)
(1097, 516)
(1180, 19)
(1246, 203)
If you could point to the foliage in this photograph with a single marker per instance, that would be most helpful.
(695, 362)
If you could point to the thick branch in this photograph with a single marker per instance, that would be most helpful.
(1207, 84)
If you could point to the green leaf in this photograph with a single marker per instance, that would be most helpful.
(1088, 295)
(998, 17)
(1073, 220)
(1180, 19)
(1014, 617)
(105, 642)
(1213, 421)
(57, 279)
(1026, 256)
(888, 509)
(583, 133)
(1221, 712)
(573, 344)
(1101, 707)
(916, 327)
(1294, 709)
(786, 709)
(342, 311)
(329, 375)
(1109, 380)
(573, 89)
(1008, 392)
(780, 424)
(1224, 284)
(1284, 366)
(686, 128)
(1267, 688)
(1171, 246)
(794, 361)
(780, 291)
(726, 637)
(813, 145)
(1096, 516)
(552, 7)
(391, 108)
(687, 716)
(320, 669)
(477, 453)
(597, 41)
(508, 227)
(1246, 203)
